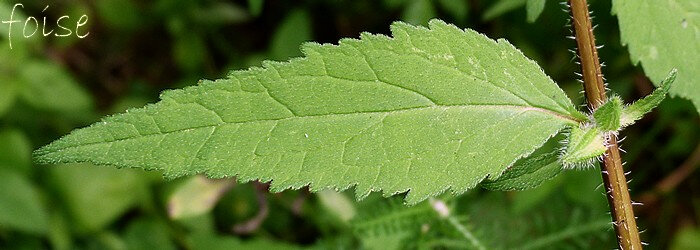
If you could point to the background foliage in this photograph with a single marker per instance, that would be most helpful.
(135, 49)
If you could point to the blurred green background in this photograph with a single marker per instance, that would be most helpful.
(137, 48)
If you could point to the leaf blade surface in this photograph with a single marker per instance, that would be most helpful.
(427, 110)
(661, 36)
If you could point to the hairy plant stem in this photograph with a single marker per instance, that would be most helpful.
(612, 171)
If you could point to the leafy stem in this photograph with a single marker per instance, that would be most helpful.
(612, 171)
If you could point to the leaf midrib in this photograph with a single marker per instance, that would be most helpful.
(564, 117)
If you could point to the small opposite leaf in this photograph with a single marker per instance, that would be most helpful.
(636, 110)
(585, 144)
(527, 173)
(607, 116)
(428, 110)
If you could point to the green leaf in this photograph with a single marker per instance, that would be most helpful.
(96, 196)
(573, 231)
(124, 15)
(636, 110)
(607, 116)
(8, 92)
(687, 237)
(219, 13)
(201, 223)
(544, 216)
(534, 8)
(148, 234)
(458, 9)
(426, 111)
(393, 241)
(208, 241)
(394, 4)
(501, 7)
(583, 146)
(337, 204)
(190, 51)
(418, 12)
(59, 231)
(527, 173)
(255, 7)
(21, 207)
(196, 196)
(612, 116)
(294, 30)
(582, 188)
(105, 240)
(526, 200)
(49, 87)
(662, 35)
(386, 223)
(15, 151)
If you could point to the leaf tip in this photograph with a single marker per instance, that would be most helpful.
(43, 155)
(670, 79)
(636, 110)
